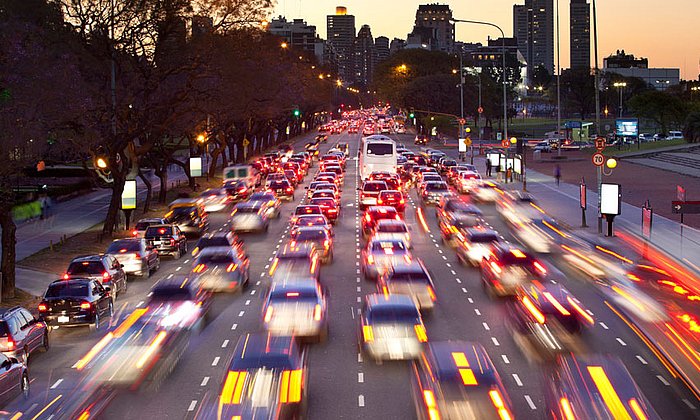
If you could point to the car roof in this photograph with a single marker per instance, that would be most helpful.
(464, 362)
(151, 220)
(215, 250)
(72, 280)
(378, 209)
(390, 222)
(309, 285)
(409, 268)
(260, 349)
(95, 257)
(391, 300)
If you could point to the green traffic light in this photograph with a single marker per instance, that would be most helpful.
(412, 115)
(297, 113)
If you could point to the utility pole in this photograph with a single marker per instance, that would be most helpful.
(597, 106)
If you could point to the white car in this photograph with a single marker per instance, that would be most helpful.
(389, 229)
(401, 130)
(214, 200)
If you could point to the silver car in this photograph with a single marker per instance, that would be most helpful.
(214, 200)
(135, 256)
(249, 217)
(267, 199)
(412, 280)
(221, 269)
(389, 229)
(380, 255)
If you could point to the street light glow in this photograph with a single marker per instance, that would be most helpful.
(513, 140)
(339, 82)
(611, 163)
(201, 138)
(284, 45)
(101, 163)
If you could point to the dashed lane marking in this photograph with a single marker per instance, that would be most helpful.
(241, 313)
(530, 402)
(224, 344)
(602, 324)
(360, 377)
(360, 400)
(505, 359)
(619, 340)
(215, 362)
(464, 290)
(470, 299)
(641, 359)
(517, 380)
(486, 326)
(689, 404)
(234, 326)
(663, 380)
(476, 311)
(205, 381)
(495, 341)
(193, 404)
(247, 302)
(56, 384)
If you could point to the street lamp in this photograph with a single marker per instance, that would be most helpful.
(201, 138)
(284, 44)
(620, 86)
(101, 163)
(611, 163)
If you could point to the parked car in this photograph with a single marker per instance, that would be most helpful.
(14, 379)
(21, 333)
(675, 135)
(135, 255)
(75, 302)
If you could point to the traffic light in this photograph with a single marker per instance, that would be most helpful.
(520, 146)
(297, 112)
(412, 115)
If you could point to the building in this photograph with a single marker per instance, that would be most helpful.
(490, 55)
(396, 45)
(381, 46)
(341, 36)
(533, 27)
(580, 34)
(297, 33)
(627, 65)
(365, 56)
(433, 24)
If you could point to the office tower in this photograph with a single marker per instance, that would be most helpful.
(341, 36)
(533, 26)
(580, 34)
(434, 26)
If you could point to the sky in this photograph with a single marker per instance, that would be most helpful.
(666, 32)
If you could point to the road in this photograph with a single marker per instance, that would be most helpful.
(342, 384)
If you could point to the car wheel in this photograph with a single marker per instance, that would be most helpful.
(96, 324)
(24, 386)
(146, 271)
(45, 341)
(111, 309)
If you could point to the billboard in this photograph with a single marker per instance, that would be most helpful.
(610, 199)
(627, 127)
(195, 166)
(495, 159)
(129, 195)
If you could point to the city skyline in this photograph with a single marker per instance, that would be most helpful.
(649, 37)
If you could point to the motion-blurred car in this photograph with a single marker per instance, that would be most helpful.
(434, 191)
(369, 192)
(393, 198)
(412, 280)
(596, 386)
(75, 302)
(266, 379)
(328, 206)
(374, 214)
(214, 200)
(103, 268)
(135, 255)
(219, 239)
(14, 379)
(221, 269)
(474, 244)
(420, 139)
(294, 262)
(319, 236)
(467, 181)
(389, 229)
(452, 205)
(458, 380)
(250, 217)
(296, 309)
(141, 226)
(506, 268)
(21, 334)
(380, 255)
(237, 190)
(454, 226)
(166, 239)
(268, 199)
(326, 194)
(391, 328)
(183, 299)
(189, 216)
(486, 192)
(282, 189)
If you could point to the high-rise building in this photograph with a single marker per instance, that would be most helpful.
(580, 34)
(533, 26)
(365, 56)
(297, 33)
(434, 20)
(381, 45)
(396, 45)
(341, 36)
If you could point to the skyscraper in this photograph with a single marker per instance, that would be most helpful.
(341, 36)
(580, 32)
(533, 26)
(381, 44)
(365, 56)
(435, 19)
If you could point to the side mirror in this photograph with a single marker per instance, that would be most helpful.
(7, 364)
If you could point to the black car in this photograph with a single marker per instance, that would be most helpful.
(104, 268)
(283, 189)
(167, 239)
(75, 302)
(21, 333)
(237, 190)
(14, 379)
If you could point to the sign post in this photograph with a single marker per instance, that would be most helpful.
(647, 221)
(583, 202)
(246, 143)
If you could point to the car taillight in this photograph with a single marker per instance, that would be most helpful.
(85, 305)
(134, 233)
(290, 189)
(380, 201)
(290, 386)
(233, 388)
(367, 333)
(268, 314)
(317, 313)
(106, 276)
(199, 268)
(66, 276)
(431, 292)
(566, 409)
(231, 267)
(326, 244)
(420, 333)
(431, 405)
(137, 256)
(540, 267)
(497, 401)
(43, 307)
(172, 241)
(495, 267)
(402, 201)
(368, 218)
(370, 259)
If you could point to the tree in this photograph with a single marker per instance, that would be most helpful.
(691, 130)
(660, 107)
(541, 77)
(578, 92)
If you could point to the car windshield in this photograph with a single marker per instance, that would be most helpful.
(171, 293)
(279, 184)
(380, 149)
(213, 241)
(415, 277)
(120, 247)
(315, 220)
(381, 313)
(375, 186)
(436, 186)
(483, 238)
(85, 267)
(262, 196)
(144, 225)
(67, 289)
(311, 235)
(392, 228)
(153, 232)
(215, 259)
(389, 246)
(246, 210)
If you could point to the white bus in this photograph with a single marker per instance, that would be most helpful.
(377, 153)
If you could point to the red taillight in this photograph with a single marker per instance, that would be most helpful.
(134, 233)
(290, 189)
(231, 267)
(137, 256)
(431, 405)
(66, 276)
(172, 242)
(380, 201)
(85, 305)
(540, 267)
(326, 244)
(43, 307)
(106, 276)
(368, 218)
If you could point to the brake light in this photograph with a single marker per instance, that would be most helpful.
(431, 292)
(43, 307)
(539, 316)
(172, 241)
(367, 333)
(402, 201)
(274, 265)
(497, 401)
(326, 244)
(580, 310)
(268, 314)
(85, 305)
(290, 189)
(231, 267)
(317, 313)
(431, 405)
(137, 256)
(420, 333)
(380, 201)
(134, 233)
(106, 276)
(233, 388)
(66, 276)
(540, 267)
(368, 218)
(290, 387)
(370, 259)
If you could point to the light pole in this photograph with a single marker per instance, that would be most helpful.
(558, 88)
(503, 62)
(620, 86)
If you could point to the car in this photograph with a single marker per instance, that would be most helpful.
(446, 164)
(328, 206)
(401, 130)
(393, 198)
(458, 380)
(225, 239)
(140, 227)
(369, 193)
(543, 147)
(296, 309)
(380, 255)
(135, 255)
(14, 379)
(675, 135)
(391, 328)
(274, 176)
(411, 279)
(266, 378)
(506, 268)
(420, 139)
(467, 181)
(453, 227)
(311, 220)
(282, 189)
(343, 147)
(21, 334)
(183, 300)
(326, 194)
(221, 269)
(268, 200)
(103, 268)
(295, 261)
(473, 244)
(237, 190)
(189, 216)
(455, 205)
(386, 229)
(321, 185)
(74, 302)
(319, 236)
(214, 200)
(433, 191)
(250, 217)
(594, 386)
(166, 239)
(292, 177)
(307, 209)
(487, 192)
(549, 318)
(425, 178)
(376, 213)
(337, 170)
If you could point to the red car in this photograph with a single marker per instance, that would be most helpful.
(328, 206)
(392, 198)
(375, 213)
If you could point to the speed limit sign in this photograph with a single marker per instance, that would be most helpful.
(598, 159)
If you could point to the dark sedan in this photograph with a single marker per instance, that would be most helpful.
(75, 302)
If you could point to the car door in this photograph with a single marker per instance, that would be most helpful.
(100, 298)
(7, 386)
(30, 329)
(118, 273)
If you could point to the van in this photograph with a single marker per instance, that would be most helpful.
(674, 135)
(242, 173)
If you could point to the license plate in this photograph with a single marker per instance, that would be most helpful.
(63, 319)
(157, 242)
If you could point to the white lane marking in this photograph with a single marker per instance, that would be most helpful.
(352, 312)
(464, 290)
(359, 357)
(216, 361)
(193, 404)
(495, 341)
(234, 326)
(589, 312)
(453, 272)
(476, 311)
(252, 292)
(360, 377)
(241, 313)
(187, 260)
(663, 380)
(56, 384)
(530, 403)
(359, 289)
(486, 326)
(470, 299)
(458, 281)
(271, 258)
(689, 404)
(224, 344)
(517, 379)
(247, 302)
(205, 381)
(267, 266)
(602, 324)
(139, 304)
(359, 299)
(450, 265)
(262, 275)
(619, 340)
(257, 283)
(437, 246)
(170, 276)
(505, 359)
(178, 269)
(360, 400)
(641, 359)
(443, 257)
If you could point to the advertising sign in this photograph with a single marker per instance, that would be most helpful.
(647, 219)
(518, 166)
(627, 127)
(129, 195)
(195, 166)
(610, 199)
(495, 159)
(462, 145)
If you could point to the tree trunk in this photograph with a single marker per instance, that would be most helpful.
(8, 252)
(149, 191)
(114, 203)
(184, 167)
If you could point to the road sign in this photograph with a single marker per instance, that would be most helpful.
(583, 195)
(598, 159)
(462, 121)
(685, 207)
(505, 143)
(480, 110)
(600, 144)
(468, 141)
(246, 142)
(680, 193)
(499, 136)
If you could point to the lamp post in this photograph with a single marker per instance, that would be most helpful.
(620, 86)
(503, 56)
